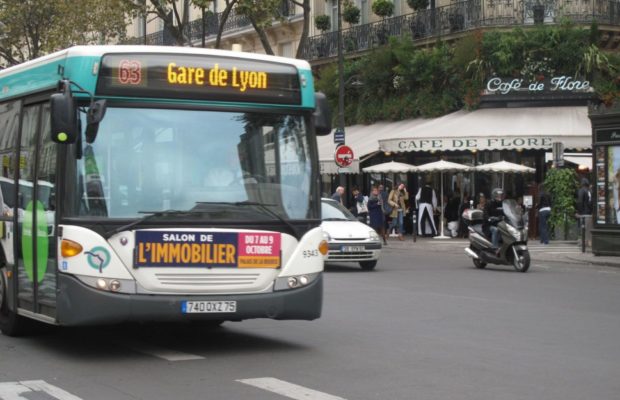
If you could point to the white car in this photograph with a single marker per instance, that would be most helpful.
(349, 239)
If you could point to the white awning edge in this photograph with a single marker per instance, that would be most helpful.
(497, 129)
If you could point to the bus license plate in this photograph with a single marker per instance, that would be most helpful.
(191, 307)
(352, 249)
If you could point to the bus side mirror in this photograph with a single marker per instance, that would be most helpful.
(95, 114)
(64, 119)
(322, 115)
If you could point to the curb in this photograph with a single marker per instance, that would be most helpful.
(602, 263)
(408, 244)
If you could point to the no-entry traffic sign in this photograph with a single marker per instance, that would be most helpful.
(343, 156)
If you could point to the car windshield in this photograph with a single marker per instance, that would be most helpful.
(210, 162)
(334, 211)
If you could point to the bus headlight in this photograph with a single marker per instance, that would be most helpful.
(109, 284)
(294, 282)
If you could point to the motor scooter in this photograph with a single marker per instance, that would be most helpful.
(513, 231)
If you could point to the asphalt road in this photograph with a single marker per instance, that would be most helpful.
(424, 325)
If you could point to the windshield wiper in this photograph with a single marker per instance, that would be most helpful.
(151, 214)
(263, 207)
(336, 219)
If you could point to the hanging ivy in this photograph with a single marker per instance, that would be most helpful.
(401, 80)
(562, 185)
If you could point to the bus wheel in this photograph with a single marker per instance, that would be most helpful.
(11, 324)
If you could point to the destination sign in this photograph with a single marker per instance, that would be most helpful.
(198, 77)
(207, 249)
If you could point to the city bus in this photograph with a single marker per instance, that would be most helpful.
(144, 183)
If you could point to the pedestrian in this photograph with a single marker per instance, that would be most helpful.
(339, 195)
(584, 198)
(544, 211)
(375, 213)
(452, 213)
(426, 200)
(482, 202)
(397, 200)
(360, 205)
(387, 209)
(465, 205)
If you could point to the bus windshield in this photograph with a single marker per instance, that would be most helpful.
(153, 160)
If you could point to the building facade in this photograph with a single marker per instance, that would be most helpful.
(443, 19)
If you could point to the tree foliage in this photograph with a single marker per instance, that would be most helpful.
(261, 14)
(31, 28)
(174, 15)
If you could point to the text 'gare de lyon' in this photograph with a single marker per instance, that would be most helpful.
(216, 76)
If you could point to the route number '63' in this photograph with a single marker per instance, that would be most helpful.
(130, 72)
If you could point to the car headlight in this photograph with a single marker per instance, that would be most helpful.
(326, 236)
(373, 235)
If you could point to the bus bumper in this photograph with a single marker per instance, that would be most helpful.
(79, 304)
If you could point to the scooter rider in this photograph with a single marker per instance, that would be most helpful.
(494, 209)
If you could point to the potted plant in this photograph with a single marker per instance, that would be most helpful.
(539, 13)
(351, 13)
(417, 23)
(322, 22)
(383, 8)
(417, 5)
(456, 20)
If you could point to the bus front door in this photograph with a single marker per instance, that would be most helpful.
(37, 281)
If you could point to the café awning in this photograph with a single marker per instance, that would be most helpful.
(497, 129)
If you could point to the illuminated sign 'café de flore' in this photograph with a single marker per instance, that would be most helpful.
(517, 121)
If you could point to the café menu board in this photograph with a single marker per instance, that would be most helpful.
(600, 184)
(198, 77)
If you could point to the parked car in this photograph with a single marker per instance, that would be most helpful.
(349, 239)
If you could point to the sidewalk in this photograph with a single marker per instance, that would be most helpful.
(568, 252)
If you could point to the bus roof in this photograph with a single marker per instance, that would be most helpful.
(98, 51)
(81, 64)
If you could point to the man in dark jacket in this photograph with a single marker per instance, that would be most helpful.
(494, 209)
(584, 198)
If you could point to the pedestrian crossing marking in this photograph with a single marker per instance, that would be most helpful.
(15, 390)
(287, 389)
(163, 353)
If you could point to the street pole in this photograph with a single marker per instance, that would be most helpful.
(203, 27)
(341, 177)
(144, 23)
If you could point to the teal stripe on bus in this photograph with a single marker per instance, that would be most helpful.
(307, 92)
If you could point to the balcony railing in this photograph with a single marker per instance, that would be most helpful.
(462, 16)
(193, 30)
